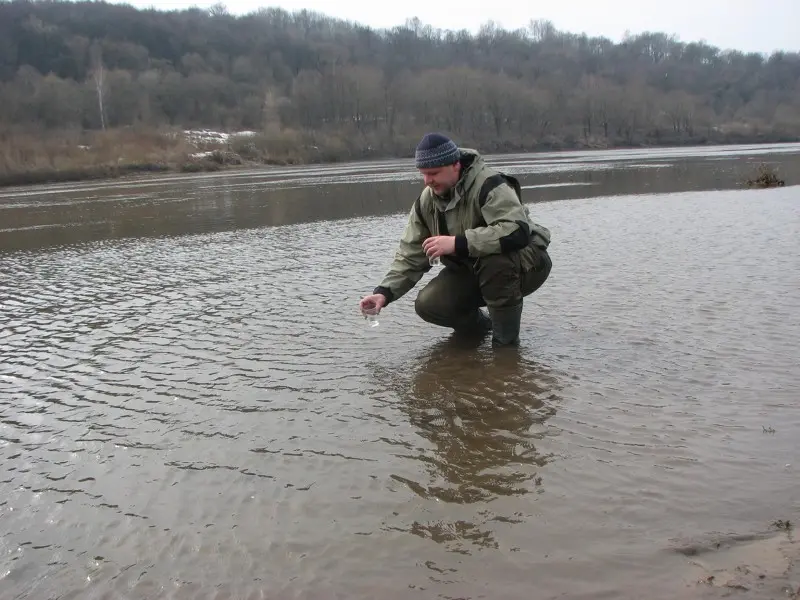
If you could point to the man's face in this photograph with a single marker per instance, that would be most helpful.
(441, 179)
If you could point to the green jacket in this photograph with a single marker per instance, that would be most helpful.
(483, 212)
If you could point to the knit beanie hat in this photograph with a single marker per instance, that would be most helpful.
(436, 150)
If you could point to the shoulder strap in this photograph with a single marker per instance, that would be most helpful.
(495, 181)
(418, 207)
(438, 217)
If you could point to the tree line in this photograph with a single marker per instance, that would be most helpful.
(343, 90)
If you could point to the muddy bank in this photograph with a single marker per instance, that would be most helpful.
(748, 566)
(111, 171)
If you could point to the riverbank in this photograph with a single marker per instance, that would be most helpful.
(29, 158)
(39, 158)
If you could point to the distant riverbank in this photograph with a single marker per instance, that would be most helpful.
(29, 158)
(37, 158)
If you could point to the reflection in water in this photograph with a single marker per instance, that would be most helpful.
(482, 412)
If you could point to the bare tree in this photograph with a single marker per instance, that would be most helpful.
(99, 77)
(218, 9)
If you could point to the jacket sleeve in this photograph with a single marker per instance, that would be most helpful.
(410, 261)
(507, 226)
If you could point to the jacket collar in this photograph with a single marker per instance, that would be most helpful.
(471, 164)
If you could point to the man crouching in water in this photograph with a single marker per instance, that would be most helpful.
(494, 255)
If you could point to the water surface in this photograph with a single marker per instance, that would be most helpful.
(191, 405)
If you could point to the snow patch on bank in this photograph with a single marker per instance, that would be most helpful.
(208, 136)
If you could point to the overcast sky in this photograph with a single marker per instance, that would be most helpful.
(747, 25)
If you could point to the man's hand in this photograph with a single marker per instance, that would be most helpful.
(439, 245)
(373, 303)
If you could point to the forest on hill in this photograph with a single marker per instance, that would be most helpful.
(316, 88)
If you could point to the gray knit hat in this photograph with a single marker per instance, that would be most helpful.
(436, 150)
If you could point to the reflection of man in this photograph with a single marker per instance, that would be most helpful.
(477, 410)
(471, 217)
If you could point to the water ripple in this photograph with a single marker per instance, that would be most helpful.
(188, 413)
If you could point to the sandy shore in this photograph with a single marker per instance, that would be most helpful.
(762, 568)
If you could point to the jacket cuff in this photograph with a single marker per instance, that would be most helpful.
(462, 248)
(386, 292)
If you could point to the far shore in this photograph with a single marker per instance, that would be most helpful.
(28, 159)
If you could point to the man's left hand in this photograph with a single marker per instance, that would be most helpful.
(439, 245)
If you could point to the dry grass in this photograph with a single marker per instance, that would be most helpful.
(46, 156)
(766, 177)
(27, 157)
(295, 147)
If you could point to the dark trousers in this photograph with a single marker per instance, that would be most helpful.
(453, 297)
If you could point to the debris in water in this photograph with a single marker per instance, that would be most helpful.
(767, 177)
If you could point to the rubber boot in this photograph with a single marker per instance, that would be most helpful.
(484, 322)
(505, 325)
(477, 323)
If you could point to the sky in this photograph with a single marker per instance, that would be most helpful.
(746, 25)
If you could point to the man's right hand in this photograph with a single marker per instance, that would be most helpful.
(373, 302)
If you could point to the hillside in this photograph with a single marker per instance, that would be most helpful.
(321, 89)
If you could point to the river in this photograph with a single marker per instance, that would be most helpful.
(192, 406)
